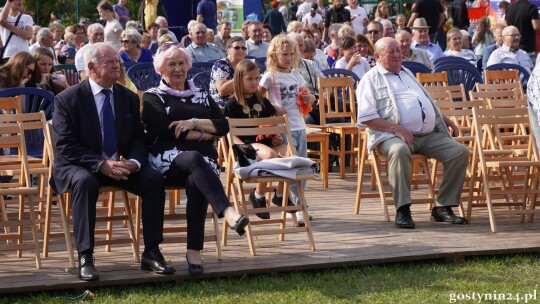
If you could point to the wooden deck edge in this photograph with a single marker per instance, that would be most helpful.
(309, 265)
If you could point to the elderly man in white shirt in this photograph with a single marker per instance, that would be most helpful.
(44, 40)
(510, 52)
(402, 120)
(96, 34)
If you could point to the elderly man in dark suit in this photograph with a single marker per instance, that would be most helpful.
(99, 138)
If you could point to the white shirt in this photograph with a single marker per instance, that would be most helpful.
(359, 69)
(255, 50)
(358, 22)
(410, 100)
(79, 58)
(505, 55)
(16, 44)
(465, 54)
(303, 9)
(312, 20)
(110, 34)
(283, 89)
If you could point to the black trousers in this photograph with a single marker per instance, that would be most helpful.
(147, 183)
(203, 186)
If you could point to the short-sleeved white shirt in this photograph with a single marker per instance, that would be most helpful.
(358, 22)
(283, 89)
(359, 69)
(16, 44)
(79, 58)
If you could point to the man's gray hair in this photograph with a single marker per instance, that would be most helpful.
(43, 32)
(92, 53)
(508, 29)
(93, 27)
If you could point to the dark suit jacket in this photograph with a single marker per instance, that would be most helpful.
(77, 132)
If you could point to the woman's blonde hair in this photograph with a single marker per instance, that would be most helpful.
(279, 44)
(15, 68)
(242, 68)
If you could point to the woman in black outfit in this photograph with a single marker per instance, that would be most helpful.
(182, 122)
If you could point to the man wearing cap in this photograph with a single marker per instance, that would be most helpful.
(432, 12)
(402, 119)
(510, 52)
(421, 40)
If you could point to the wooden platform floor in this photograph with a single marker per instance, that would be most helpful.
(342, 239)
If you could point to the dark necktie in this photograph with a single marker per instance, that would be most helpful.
(109, 129)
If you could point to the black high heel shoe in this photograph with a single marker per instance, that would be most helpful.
(194, 268)
(240, 224)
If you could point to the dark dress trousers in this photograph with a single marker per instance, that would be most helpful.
(78, 139)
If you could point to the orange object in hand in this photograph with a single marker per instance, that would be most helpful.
(304, 107)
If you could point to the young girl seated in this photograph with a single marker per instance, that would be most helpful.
(453, 39)
(283, 85)
(352, 60)
(248, 103)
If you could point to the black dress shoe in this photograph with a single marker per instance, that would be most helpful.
(87, 270)
(240, 224)
(445, 214)
(194, 268)
(154, 261)
(404, 219)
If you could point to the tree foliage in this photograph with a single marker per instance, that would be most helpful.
(67, 10)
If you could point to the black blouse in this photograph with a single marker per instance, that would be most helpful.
(234, 110)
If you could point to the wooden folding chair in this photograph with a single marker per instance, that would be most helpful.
(501, 76)
(445, 93)
(107, 213)
(11, 105)
(12, 136)
(498, 94)
(337, 102)
(507, 86)
(255, 228)
(508, 166)
(420, 176)
(174, 232)
(318, 136)
(433, 79)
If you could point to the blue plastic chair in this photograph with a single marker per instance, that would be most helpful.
(33, 100)
(194, 71)
(458, 73)
(144, 76)
(523, 73)
(202, 81)
(340, 73)
(450, 59)
(416, 67)
(205, 66)
(128, 65)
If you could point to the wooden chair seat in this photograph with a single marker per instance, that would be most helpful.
(246, 127)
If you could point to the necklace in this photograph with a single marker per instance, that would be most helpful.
(137, 56)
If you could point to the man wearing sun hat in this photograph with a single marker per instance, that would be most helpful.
(422, 41)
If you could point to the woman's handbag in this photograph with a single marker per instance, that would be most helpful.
(245, 154)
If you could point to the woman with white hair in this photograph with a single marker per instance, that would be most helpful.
(182, 122)
(131, 50)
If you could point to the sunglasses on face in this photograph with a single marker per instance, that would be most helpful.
(373, 32)
(167, 45)
(237, 48)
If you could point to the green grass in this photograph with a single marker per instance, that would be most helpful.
(431, 282)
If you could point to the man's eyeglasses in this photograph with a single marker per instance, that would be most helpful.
(238, 48)
(167, 45)
(373, 32)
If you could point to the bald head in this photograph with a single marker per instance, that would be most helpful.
(388, 54)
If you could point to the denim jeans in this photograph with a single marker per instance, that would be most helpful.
(300, 144)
